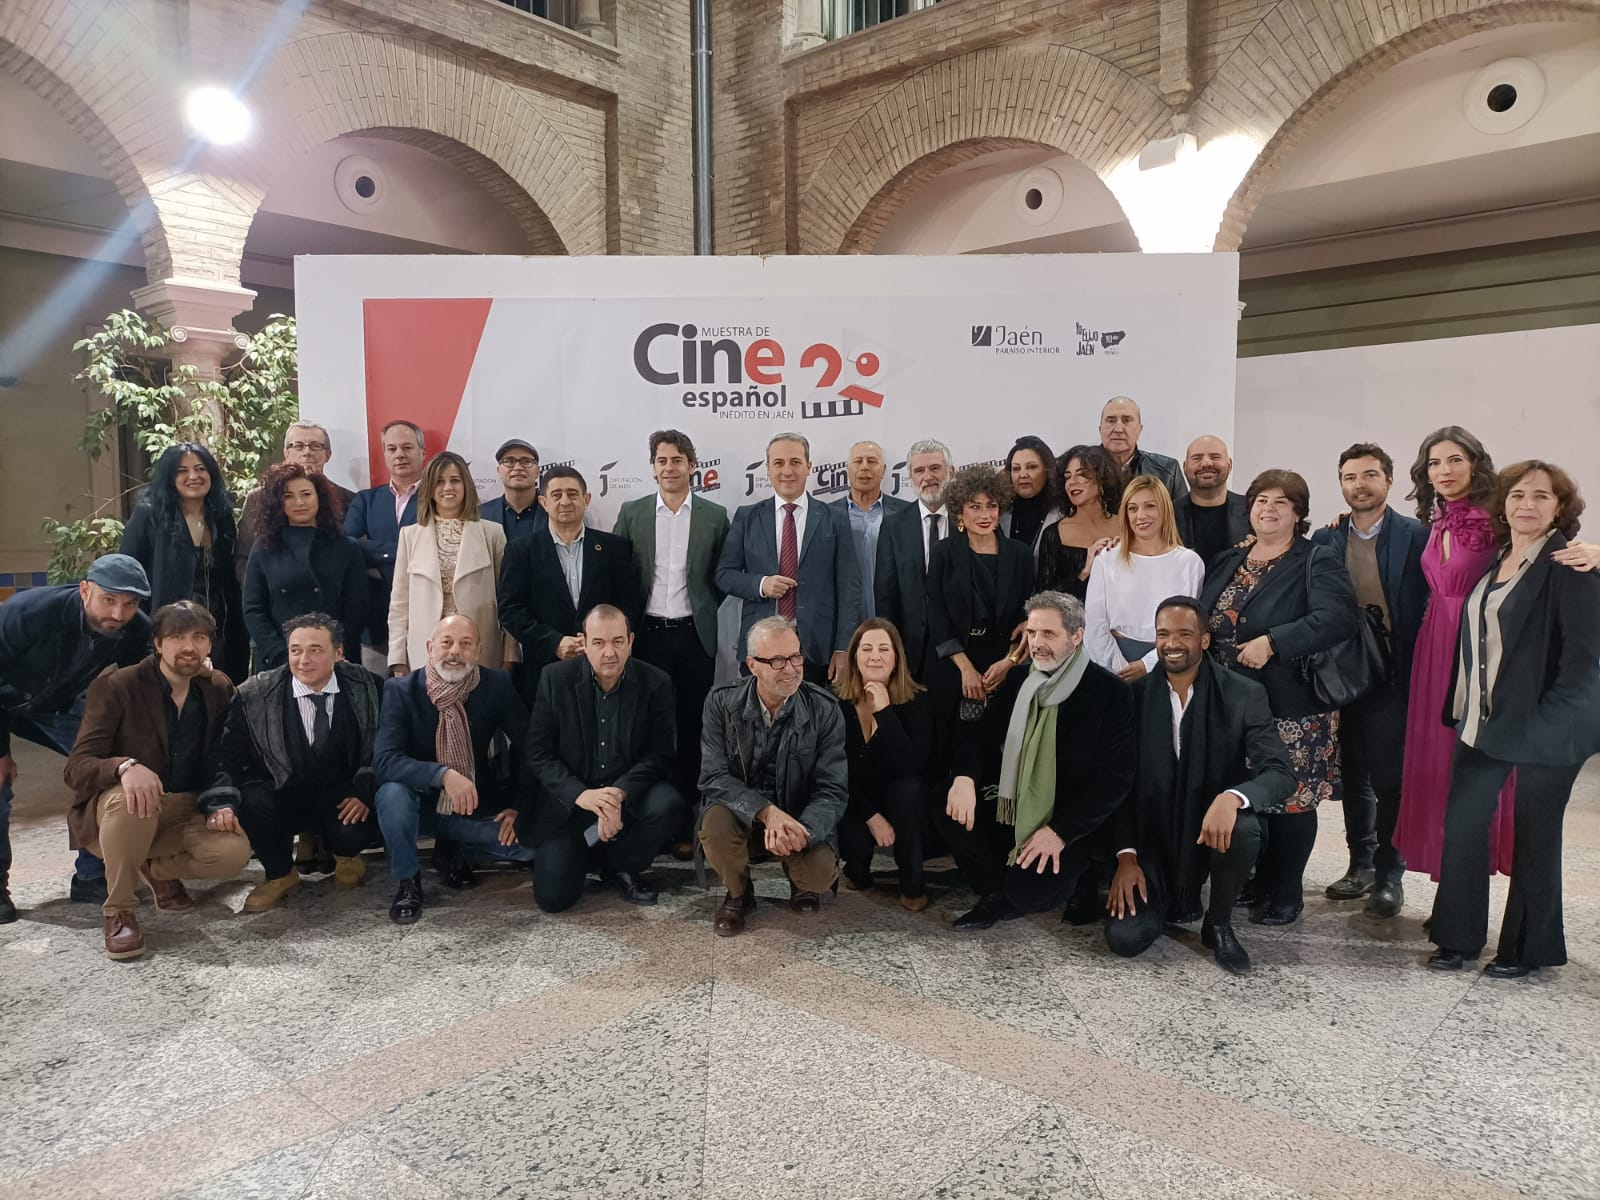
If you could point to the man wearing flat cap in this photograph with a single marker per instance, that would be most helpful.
(53, 641)
(517, 510)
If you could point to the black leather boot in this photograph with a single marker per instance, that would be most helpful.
(1221, 939)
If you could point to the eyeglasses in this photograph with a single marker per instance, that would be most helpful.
(795, 661)
(297, 447)
(525, 463)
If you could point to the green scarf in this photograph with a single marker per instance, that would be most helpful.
(1027, 794)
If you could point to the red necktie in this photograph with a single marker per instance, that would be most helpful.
(789, 562)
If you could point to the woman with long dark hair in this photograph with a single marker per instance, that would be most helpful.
(1091, 493)
(1453, 483)
(183, 533)
(302, 562)
(1032, 470)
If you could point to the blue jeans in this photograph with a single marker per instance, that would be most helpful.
(53, 731)
(404, 815)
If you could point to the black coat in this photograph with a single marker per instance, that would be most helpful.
(408, 726)
(1545, 707)
(562, 739)
(952, 602)
(899, 582)
(1095, 756)
(1401, 540)
(902, 747)
(325, 573)
(1306, 604)
(169, 556)
(537, 609)
(1238, 519)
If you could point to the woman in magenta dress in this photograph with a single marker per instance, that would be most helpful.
(1454, 483)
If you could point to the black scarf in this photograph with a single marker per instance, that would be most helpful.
(1027, 516)
(1180, 790)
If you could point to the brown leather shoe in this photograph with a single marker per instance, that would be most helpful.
(914, 903)
(123, 939)
(171, 895)
(731, 913)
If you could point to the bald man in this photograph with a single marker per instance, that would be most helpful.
(1211, 519)
(1120, 428)
(867, 506)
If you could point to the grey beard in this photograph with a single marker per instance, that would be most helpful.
(450, 674)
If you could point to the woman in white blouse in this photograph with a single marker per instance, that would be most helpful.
(447, 563)
(1126, 583)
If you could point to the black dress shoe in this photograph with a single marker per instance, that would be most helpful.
(1279, 914)
(1221, 939)
(447, 860)
(1499, 969)
(1084, 910)
(88, 891)
(407, 906)
(986, 912)
(1386, 901)
(1445, 960)
(8, 910)
(1249, 896)
(634, 889)
(1353, 884)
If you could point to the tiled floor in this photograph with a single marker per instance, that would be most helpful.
(319, 1051)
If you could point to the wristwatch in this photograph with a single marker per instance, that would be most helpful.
(125, 764)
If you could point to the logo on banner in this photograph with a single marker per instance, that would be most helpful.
(897, 476)
(1011, 339)
(742, 372)
(831, 479)
(621, 483)
(755, 478)
(706, 477)
(1091, 341)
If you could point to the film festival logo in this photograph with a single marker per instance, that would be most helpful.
(1092, 340)
(1011, 339)
(707, 477)
(742, 372)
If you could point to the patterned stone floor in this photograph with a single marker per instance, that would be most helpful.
(319, 1051)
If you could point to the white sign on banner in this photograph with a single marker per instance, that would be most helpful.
(585, 357)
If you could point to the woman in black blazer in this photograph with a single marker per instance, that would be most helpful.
(888, 741)
(1525, 694)
(183, 534)
(302, 562)
(1272, 603)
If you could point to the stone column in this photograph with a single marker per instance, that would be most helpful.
(198, 315)
(808, 30)
(591, 24)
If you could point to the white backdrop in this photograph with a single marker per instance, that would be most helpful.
(584, 357)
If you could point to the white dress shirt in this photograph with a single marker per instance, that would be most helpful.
(669, 586)
(308, 710)
(1368, 535)
(801, 502)
(923, 513)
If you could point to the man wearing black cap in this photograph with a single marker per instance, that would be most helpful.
(53, 641)
(518, 510)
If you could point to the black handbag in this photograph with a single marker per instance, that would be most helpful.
(1355, 667)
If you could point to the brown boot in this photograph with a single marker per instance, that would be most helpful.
(732, 912)
(171, 895)
(269, 893)
(123, 939)
(349, 870)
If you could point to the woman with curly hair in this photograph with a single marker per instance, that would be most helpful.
(183, 534)
(1453, 483)
(302, 562)
(1091, 490)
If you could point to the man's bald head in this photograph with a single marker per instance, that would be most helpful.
(1120, 427)
(1207, 466)
(454, 648)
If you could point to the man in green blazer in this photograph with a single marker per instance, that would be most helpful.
(677, 539)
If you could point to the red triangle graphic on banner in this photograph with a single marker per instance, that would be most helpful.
(419, 354)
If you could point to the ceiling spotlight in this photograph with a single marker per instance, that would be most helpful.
(216, 115)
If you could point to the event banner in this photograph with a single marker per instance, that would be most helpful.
(585, 357)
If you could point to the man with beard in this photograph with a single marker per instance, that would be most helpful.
(1067, 762)
(1120, 428)
(904, 546)
(53, 641)
(1211, 764)
(516, 509)
(867, 509)
(143, 754)
(1382, 550)
(432, 761)
(1210, 518)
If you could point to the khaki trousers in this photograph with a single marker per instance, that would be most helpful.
(173, 844)
(728, 846)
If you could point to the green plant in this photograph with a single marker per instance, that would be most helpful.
(241, 416)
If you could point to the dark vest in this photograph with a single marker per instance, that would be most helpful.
(331, 763)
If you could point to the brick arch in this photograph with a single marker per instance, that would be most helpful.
(326, 87)
(1317, 73)
(1049, 96)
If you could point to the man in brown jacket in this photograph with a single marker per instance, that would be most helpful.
(141, 756)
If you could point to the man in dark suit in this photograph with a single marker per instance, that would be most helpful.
(867, 508)
(1210, 763)
(517, 509)
(1120, 428)
(375, 518)
(792, 557)
(600, 747)
(1210, 518)
(549, 581)
(905, 548)
(1382, 550)
(311, 447)
(677, 539)
(434, 773)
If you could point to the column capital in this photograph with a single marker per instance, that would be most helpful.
(591, 24)
(197, 312)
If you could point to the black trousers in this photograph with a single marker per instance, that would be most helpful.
(1287, 840)
(1135, 933)
(904, 804)
(270, 819)
(1531, 932)
(562, 858)
(1372, 735)
(676, 649)
(981, 853)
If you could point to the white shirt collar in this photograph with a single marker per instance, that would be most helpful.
(663, 507)
(331, 688)
(800, 502)
(556, 537)
(930, 512)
